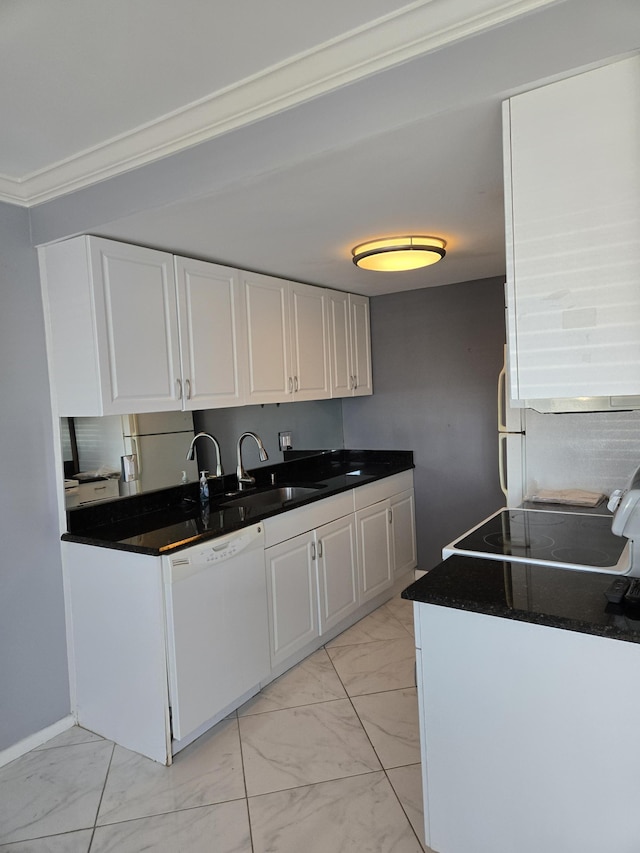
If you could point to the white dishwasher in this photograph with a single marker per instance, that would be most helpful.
(217, 629)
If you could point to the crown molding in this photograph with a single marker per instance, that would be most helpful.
(416, 29)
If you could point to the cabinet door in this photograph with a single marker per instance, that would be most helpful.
(337, 571)
(339, 343)
(360, 345)
(403, 532)
(266, 305)
(572, 175)
(137, 328)
(212, 338)
(374, 549)
(309, 342)
(291, 592)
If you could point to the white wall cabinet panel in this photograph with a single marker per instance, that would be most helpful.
(572, 177)
(266, 301)
(373, 526)
(115, 601)
(403, 532)
(292, 596)
(309, 342)
(113, 327)
(212, 335)
(360, 345)
(337, 567)
(288, 335)
(349, 344)
(340, 344)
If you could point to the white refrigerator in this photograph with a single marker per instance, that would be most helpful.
(155, 446)
(511, 443)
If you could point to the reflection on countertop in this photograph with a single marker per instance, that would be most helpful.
(170, 519)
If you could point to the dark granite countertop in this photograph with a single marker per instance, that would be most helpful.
(172, 519)
(557, 598)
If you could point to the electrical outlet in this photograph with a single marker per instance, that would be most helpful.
(284, 440)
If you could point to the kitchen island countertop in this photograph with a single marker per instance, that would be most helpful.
(556, 598)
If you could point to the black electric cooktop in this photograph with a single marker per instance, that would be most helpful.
(556, 537)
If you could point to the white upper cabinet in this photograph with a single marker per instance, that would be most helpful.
(266, 302)
(113, 327)
(287, 335)
(572, 181)
(309, 342)
(212, 335)
(349, 344)
(133, 330)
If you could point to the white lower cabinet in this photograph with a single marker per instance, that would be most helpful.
(312, 586)
(374, 549)
(337, 569)
(291, 596)
(138, 642)
(403, 532)
(328, 566)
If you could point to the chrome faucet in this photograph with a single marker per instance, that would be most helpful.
(219, 471)
(246, 480)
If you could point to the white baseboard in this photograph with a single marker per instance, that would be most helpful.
(35, 740)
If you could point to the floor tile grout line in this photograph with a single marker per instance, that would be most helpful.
(357, 715)
(384, 769)
(244, 781)
(165, 814)
(104, 787)
(318, 782)
(294, 707)
(400, 801)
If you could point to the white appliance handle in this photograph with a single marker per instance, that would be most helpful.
(502, 449)
(136, 451)
(502, 378)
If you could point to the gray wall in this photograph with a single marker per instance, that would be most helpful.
(437, 353)
(313, 425)
(34, 688)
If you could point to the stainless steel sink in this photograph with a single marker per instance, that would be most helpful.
(272, 497)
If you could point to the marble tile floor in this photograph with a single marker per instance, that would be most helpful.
(325, 759)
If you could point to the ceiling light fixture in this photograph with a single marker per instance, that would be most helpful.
(392, 254)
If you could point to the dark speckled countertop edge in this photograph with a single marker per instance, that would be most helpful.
(616, 622)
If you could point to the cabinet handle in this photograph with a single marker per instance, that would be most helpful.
(351, 383)
(390, 516)
(179, 384)
(355, 382)
(295, 383)
(187, 385)
(320, 549)
(313, 550)
(290, 385)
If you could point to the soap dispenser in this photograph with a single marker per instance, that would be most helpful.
(204, 487)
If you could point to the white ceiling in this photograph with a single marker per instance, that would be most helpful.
(275, 136)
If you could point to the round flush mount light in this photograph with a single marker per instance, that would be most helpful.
(392, 254)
